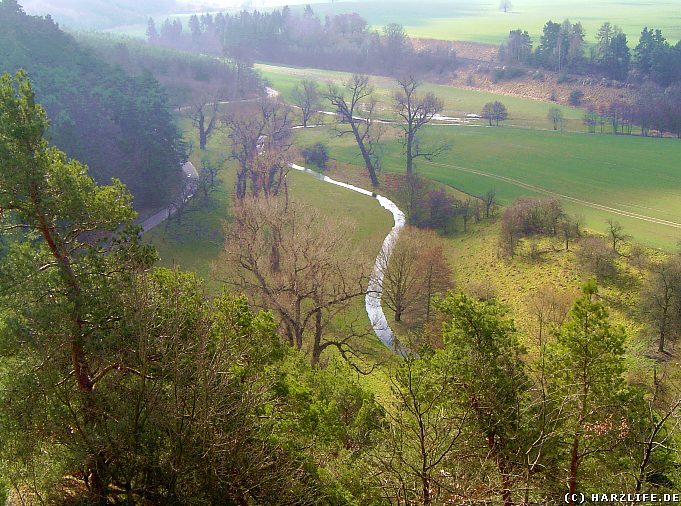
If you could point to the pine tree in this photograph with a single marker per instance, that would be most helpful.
(587, 374)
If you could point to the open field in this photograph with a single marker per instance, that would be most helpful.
(482, 20)
(633, 180)
(458, 102)
(630, 179)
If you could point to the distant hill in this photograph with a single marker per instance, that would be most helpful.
(118, 124)
(97, 14)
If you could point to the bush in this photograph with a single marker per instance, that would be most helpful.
(596, 257)
(507, 73)
(317, 154)
(576, 97)
(564, 78)
(527, 217)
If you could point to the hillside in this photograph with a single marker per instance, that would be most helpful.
(98, 13)
(117, 124)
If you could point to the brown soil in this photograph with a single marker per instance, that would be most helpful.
(478, 62)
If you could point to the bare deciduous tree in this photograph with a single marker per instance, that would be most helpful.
(180, 203)
(254, 132)
(295, 263)
(307, 97)
(208, 181)
(204, 115)
(615, 231)
(568, 228)
(660, 297)
(416, 112)
(505, 5)
(415, 271)
(489, 200)
(364, 129)
(494, 112)
(555, 116)
(595, 257)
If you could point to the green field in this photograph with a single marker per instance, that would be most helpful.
(457, 101)
(482, 21)
(633, 180)
(195, 242)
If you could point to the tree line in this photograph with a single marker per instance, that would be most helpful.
(186, 77)
(563, 47)
(133, 382)
(340, 42)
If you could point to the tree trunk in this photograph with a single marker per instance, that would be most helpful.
(365, 155)
(81, 367)
(574, 465)
(663, 328)
(410, 154)
(317, 346)
(203, 137)
(241, 183)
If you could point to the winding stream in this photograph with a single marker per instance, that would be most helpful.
(372, 301)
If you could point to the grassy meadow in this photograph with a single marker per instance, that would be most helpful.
(483, 21)
(458, 102)
(195, 242)
(633, 180)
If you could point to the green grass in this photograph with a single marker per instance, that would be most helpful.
(517, 281)
(629, 174)
(482, 21)
(195, 242)
(457, 101)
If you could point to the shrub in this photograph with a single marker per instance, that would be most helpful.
(576, 97)
(564, 78)
(527, 217)
(507, 74)
(440, 206)
(317, 154)
(596, 257)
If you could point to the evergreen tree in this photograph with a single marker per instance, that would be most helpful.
(66, 256)
(586, 374)
(152, 33)
(483, 356)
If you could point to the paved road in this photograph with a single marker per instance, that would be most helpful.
(190, 173)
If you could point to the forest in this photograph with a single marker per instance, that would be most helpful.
(342, 42)
(118, 124)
